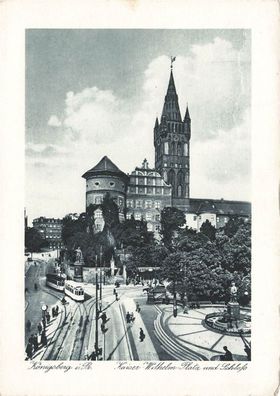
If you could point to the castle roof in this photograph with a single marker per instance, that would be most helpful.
(220, 207)
(105, 167)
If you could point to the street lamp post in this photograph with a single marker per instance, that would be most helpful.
(96, 309)
(100, 286)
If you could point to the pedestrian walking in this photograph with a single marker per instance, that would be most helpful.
(53, 312)
(35, 342)
(44, 323)
(132, 317)
(44, 339)
(141, 335)
(116, 295)
(228, 355)
(28, 325)
(40, 328)
(104, 317)
(29, 350)
(138, 309)
(102, 326)
(56, 310)
(127, 317)
(48, 317)
(114, 291)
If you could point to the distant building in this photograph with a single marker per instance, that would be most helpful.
(146, 191)
(50, 230)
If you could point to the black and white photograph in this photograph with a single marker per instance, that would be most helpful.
(140, 177)
(137, 195)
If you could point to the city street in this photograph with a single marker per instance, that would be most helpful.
(72, 334)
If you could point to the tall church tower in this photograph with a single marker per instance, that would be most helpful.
(171, 142)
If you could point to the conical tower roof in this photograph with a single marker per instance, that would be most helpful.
(104, 166)
(187, 115)
(171, 106)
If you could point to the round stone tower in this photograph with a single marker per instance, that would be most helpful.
(104, 178)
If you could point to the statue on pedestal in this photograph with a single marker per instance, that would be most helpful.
(78, 266)
(233, 293)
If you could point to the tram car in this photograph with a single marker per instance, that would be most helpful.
(55, 281)
(74, 290)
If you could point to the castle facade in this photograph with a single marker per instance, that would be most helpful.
(146, 191)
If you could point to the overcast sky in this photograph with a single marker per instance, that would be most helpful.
(91, 93)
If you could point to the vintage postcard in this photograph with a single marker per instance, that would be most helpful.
(147, 158)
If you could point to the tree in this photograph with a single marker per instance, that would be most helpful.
(33, 240)
(171, 221)
(110, 212)
(190, 240)
(208, 230)
(132, 233)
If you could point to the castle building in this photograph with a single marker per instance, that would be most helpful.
(171, 142)
(104, 178)
(146, 191)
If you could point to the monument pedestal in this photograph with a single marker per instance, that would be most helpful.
(233, 309)
(78, 271)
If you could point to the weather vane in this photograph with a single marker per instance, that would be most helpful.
(172, 59)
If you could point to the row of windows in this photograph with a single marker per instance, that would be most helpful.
(211, 218)
(174, 148)
(143, 190)
(146, 181)
(98, 200)
(139, 203)
(175, 165)
(148, 216)
(53, 236)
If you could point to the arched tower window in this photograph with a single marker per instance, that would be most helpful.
(179, 190)
(186, 151)
(165, 176)
(179, 148)
(171, 177)
(166, 148)
(173, 151)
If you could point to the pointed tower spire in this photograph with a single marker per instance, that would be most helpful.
(171, 108)
(156, 123)
(187, 115)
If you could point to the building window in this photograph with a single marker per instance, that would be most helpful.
(98, 200)
(120, 201)
(97, 183)
(98, 214)
(149, 216)
(138, 204)
(129, 203)
(112, 184)
(157, 217)
(157, 204)
(148, 204)
(98, 227)
(149, 227)
(186, 151)
(157, 228)
(137, 216)
(218, 219)
(166, 148)
(194, 218)
(199, 217)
